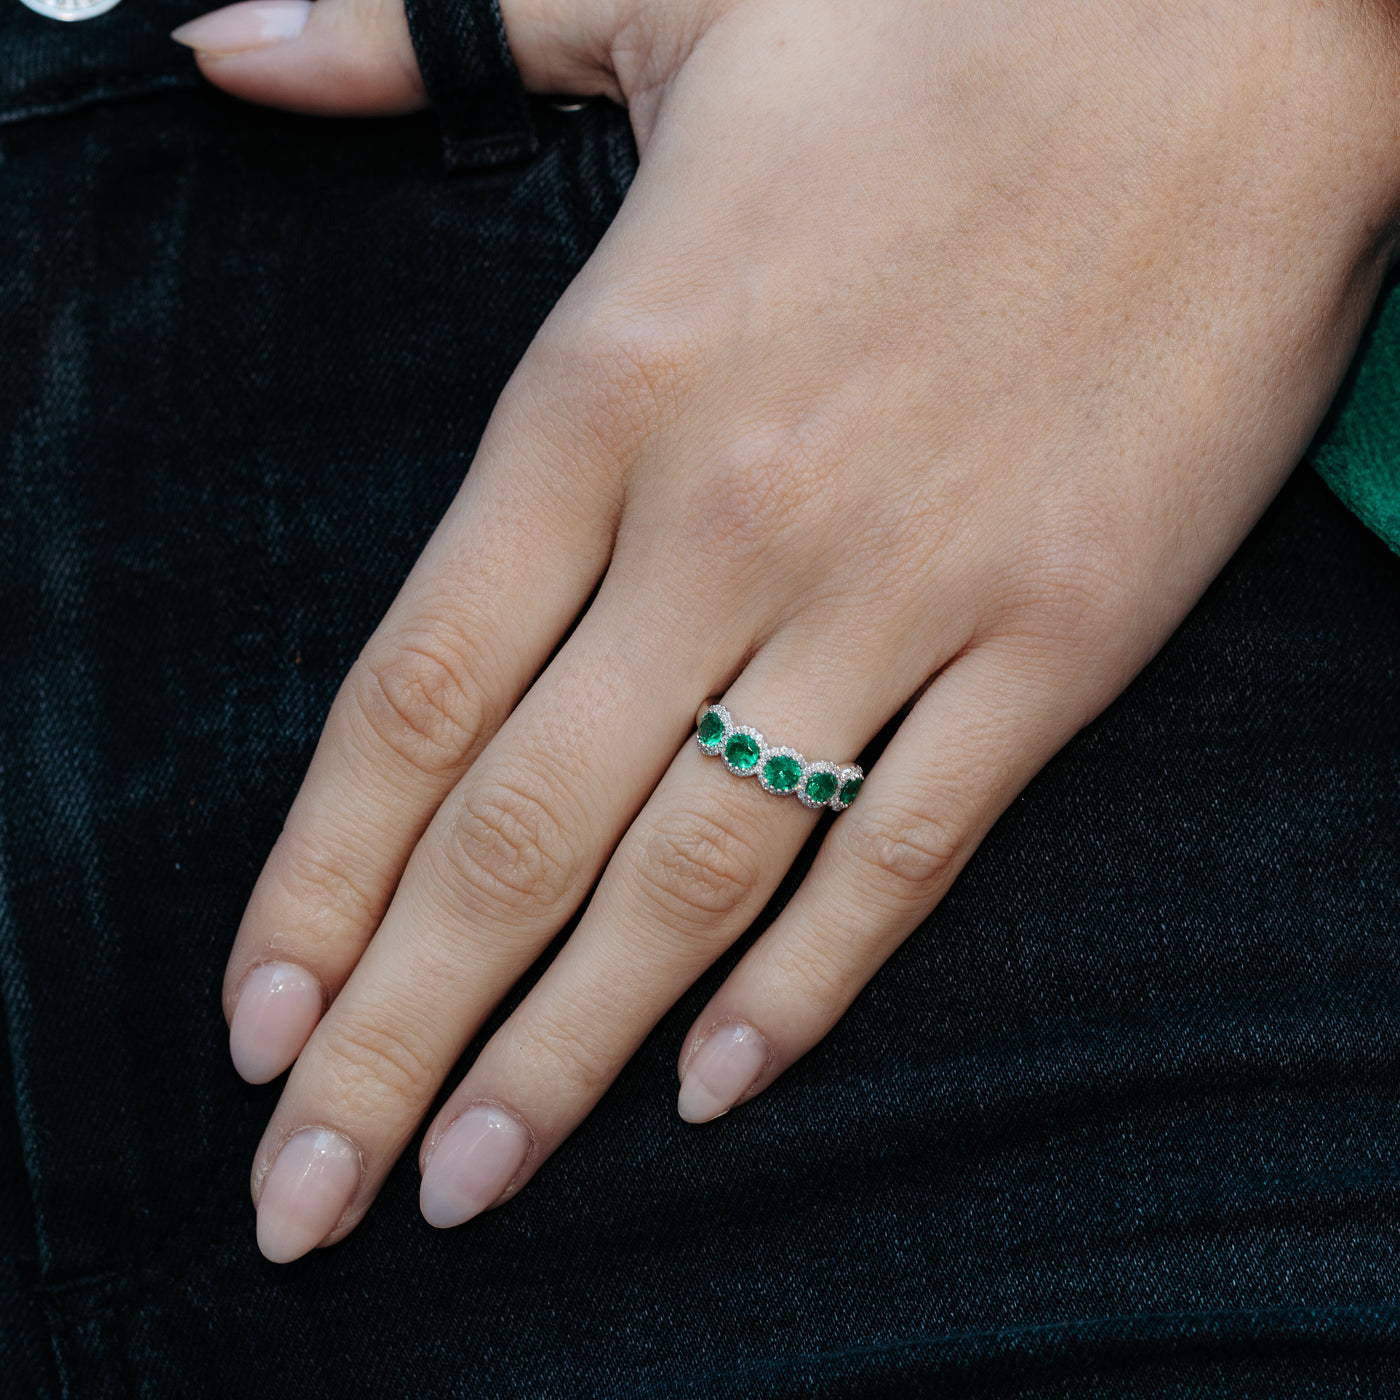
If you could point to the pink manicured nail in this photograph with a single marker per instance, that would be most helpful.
(473, 1162)
(306, 1192)
(277, 1010)
(720, 1071)
(255, 24)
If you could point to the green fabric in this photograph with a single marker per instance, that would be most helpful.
(1357, 450)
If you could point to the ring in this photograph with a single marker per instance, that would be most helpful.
(779, 769)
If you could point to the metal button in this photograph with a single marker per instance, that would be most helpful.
(70, 9)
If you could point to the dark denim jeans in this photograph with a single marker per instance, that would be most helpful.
(1123, 1119)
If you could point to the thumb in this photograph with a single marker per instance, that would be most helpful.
(337, 57)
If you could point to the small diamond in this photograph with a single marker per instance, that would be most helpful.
(742, 750)
(782, 770)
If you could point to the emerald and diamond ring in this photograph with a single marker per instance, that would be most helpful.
(779, 769)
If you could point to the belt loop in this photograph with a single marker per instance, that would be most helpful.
(472, 81)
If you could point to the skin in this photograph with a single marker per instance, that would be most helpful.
(938, 359)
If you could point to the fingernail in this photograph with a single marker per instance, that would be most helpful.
(306, 1192)
(256, 24)
(277, 1010)
(473, 1162)
(720, 1071)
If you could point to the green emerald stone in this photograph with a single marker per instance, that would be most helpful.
(711, 728)
(782, 772)
(849, 789)
(741, 752)
(820, 786)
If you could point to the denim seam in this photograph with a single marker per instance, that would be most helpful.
(57, 101)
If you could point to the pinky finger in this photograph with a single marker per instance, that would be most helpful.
(974, 739)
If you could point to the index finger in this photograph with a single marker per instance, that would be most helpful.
(498, 585)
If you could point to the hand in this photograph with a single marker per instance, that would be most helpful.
(939, 357)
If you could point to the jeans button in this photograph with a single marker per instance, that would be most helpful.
(70, 9)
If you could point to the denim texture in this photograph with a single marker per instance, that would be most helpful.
(1121, 1120)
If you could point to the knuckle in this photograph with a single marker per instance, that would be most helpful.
(817, 979)
(1082, 638)
(697, 870)
(507, 848)
(558, 1055)
(1072, 586)
(628, 373)
(313, 879)
(416, 700)
(365, 1062)
(754, 495)
(907, 856)
(1082, 602)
